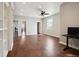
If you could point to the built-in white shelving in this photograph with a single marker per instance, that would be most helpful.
(0, 39)
(6, 22)
(1, 29)
(1, 19)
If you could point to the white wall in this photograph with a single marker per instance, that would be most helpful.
(15, 24)
(55, 29)
(19, 19)
(69, 14)
(19, 27)
(31, 25)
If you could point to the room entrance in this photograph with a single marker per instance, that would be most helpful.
(38, 27)
(23, 29)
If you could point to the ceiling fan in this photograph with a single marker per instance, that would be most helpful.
(43, 13)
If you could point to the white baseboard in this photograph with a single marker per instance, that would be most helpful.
(11, 47)
(5, 53)
(72, 46)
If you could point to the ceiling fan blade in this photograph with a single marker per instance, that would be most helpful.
(39, 9)
(46, 13)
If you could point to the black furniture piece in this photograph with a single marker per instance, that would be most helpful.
(73, 32)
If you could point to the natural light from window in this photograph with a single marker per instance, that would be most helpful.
(49, 24)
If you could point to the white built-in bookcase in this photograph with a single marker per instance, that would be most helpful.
(6, 28)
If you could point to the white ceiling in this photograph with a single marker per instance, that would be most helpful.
(31, 8)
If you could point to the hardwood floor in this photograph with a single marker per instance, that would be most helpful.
(39, 46)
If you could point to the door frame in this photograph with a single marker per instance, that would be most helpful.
(38, 27)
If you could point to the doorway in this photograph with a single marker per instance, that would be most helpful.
(38, 27)
(23, 29)
(15, 28)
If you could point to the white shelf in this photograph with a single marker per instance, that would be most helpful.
(0, 39)
(4, 40)
(1, 29)
(1, 19)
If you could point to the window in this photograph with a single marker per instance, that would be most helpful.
(49, 23)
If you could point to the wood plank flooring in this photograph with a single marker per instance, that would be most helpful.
(39, 46)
